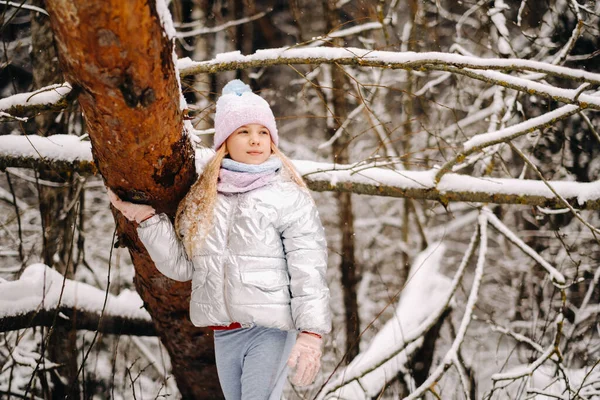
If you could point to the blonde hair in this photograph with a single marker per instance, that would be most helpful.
(289, 168)
(195, 214)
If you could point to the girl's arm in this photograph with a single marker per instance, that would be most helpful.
(306, 253)
(164, 247)
(158, 236)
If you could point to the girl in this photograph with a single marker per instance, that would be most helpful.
(249, 237)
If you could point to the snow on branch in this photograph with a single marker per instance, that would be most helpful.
(471, 66)
(57, 152)
(569, 96)
(51, 97)
(424, 300)
(42, 296)
(452, 354)
(355, 30)
(74, 318)
(512, 132)
(368, 178)
(483, 140)
(371, 58)
(71, 153)
(384, 358)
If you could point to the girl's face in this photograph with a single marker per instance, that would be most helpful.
(249, 144)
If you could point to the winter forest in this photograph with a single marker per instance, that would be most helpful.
(452, 148)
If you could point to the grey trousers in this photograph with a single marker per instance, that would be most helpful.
(251, 362)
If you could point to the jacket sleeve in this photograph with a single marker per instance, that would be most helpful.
(306, 253)
(166, 250)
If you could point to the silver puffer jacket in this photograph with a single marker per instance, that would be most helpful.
(263, 262)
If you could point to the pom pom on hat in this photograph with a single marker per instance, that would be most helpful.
(236, 87)
(238, 106)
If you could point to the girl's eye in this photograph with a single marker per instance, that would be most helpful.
(243, 131)
(264, 132)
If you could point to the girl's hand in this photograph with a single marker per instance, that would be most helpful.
(131, 211)
(305, 358)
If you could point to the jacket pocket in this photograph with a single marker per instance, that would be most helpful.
(268, 280)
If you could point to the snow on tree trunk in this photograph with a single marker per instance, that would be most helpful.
(120, 63)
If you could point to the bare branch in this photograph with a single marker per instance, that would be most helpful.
(17, 393)
(564, 52)
(590, 126)
(464, 379)
(547, 394)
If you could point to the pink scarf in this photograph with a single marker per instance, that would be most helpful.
(236, 177)
(241, 182)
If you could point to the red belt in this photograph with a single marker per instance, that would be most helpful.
(233, 325)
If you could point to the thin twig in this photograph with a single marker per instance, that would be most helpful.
(220, 28)
(548, 353)
(576, 213)
(557, 278)
(481, 141)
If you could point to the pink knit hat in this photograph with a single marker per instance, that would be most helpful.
(238, 106)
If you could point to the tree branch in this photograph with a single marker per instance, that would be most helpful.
(83, 167)
(409, 340)
(53, 97)
(556, 277)
(484, 69)
(68, 153)
(72, 318)
(369, 58)
(467, 317)
(478, 142)
(521, 372)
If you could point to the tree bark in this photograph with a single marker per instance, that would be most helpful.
(72, 318)
(118, 58)
(407, 134)
(348, 266)
(57, 213)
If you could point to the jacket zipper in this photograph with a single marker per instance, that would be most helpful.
(229, 224)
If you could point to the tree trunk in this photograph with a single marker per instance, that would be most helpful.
(407, 133)
(58, 214)
(120, 62)
(348, 265)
